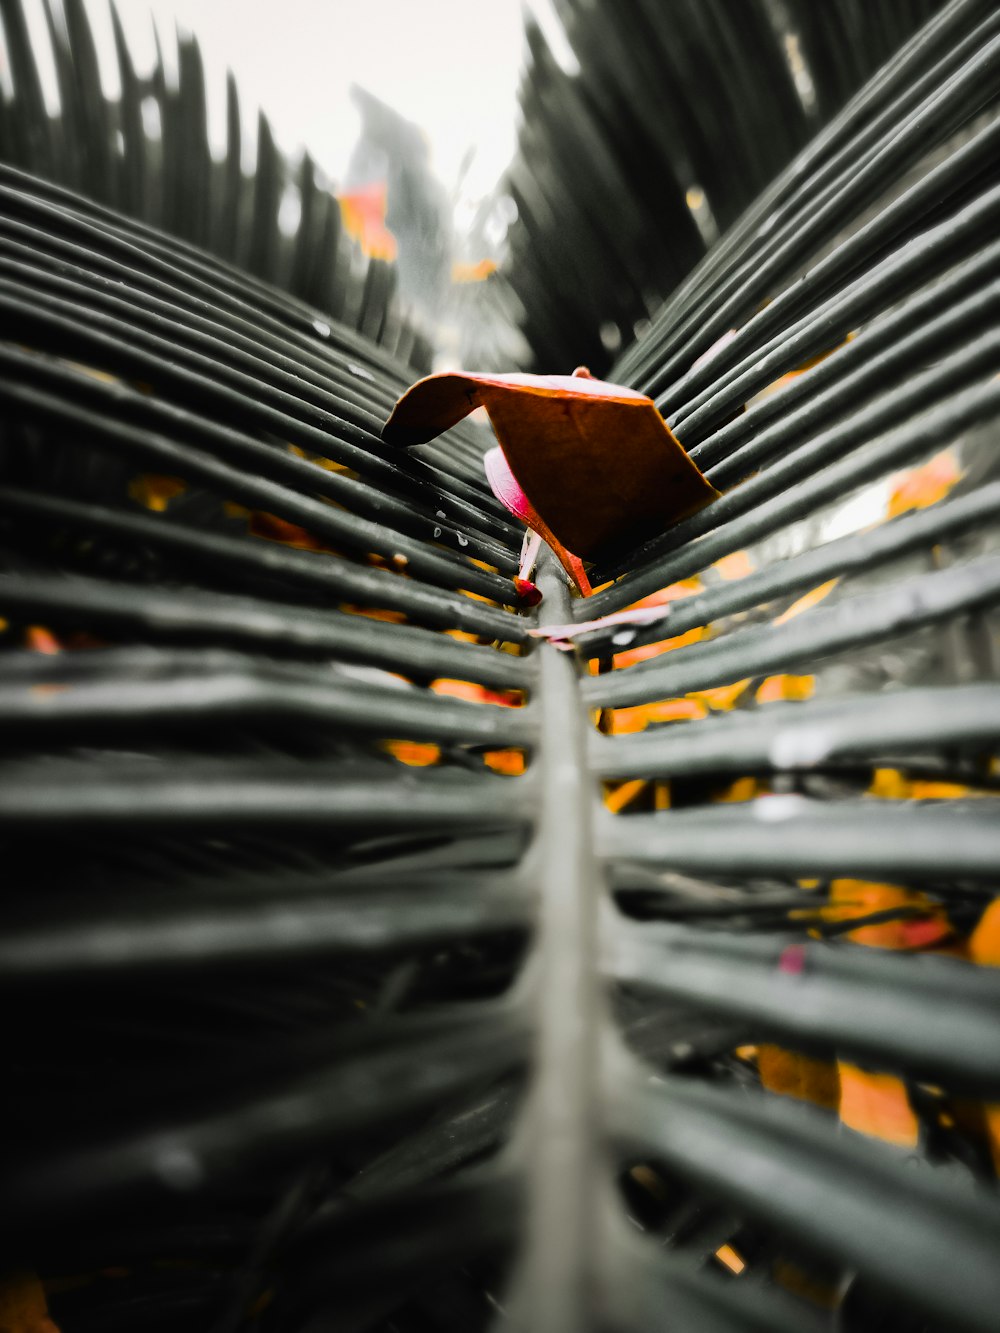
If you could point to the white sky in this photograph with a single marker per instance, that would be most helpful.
(450, 65)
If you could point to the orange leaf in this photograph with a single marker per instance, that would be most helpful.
(984, 949)
(924, 486)
(736, 565)
(418, 754)
(720, 698)
(775, 688)
(731, 1259)
(23, 1307)
(363, 214)
(511, 763)
(642, 654)
(275, 529)
(877, 1105)
(477, 694)
(478, 272)
(873, 1103)
(984, 942)
(41, 640)
(806, 601)
(155, 491)
(627, 720)
(743, 789)
(802, 1076)
(594, 463)
(860, 897)
(618, 797)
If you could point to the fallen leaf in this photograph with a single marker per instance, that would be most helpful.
(363, 213)
(473, 272)
(805, 1077)
(589, 465)
(736, 565)
(984, 949)
(924, 486)
(806, 601)
(861, 898)
(417, 754)
(155, 491)
(623, 721)
(732, 1260)
(23, 1307)
(619, 795)
(877, 1105)
(872, 1103)
(776, 688)
(720, 698)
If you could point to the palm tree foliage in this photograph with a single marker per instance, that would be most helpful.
(650, 130)
(147, 153)
(336, 996)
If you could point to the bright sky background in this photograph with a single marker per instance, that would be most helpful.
(450, 65)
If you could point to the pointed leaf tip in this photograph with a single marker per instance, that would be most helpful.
(529, 593)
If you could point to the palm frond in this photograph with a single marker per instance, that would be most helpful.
(147, 154)
(337, 996)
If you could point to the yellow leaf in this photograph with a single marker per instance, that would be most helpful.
(727, 1256)
(720, 698)
(619, 796)
(775, 688)
(809, 599)
(155, 491)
